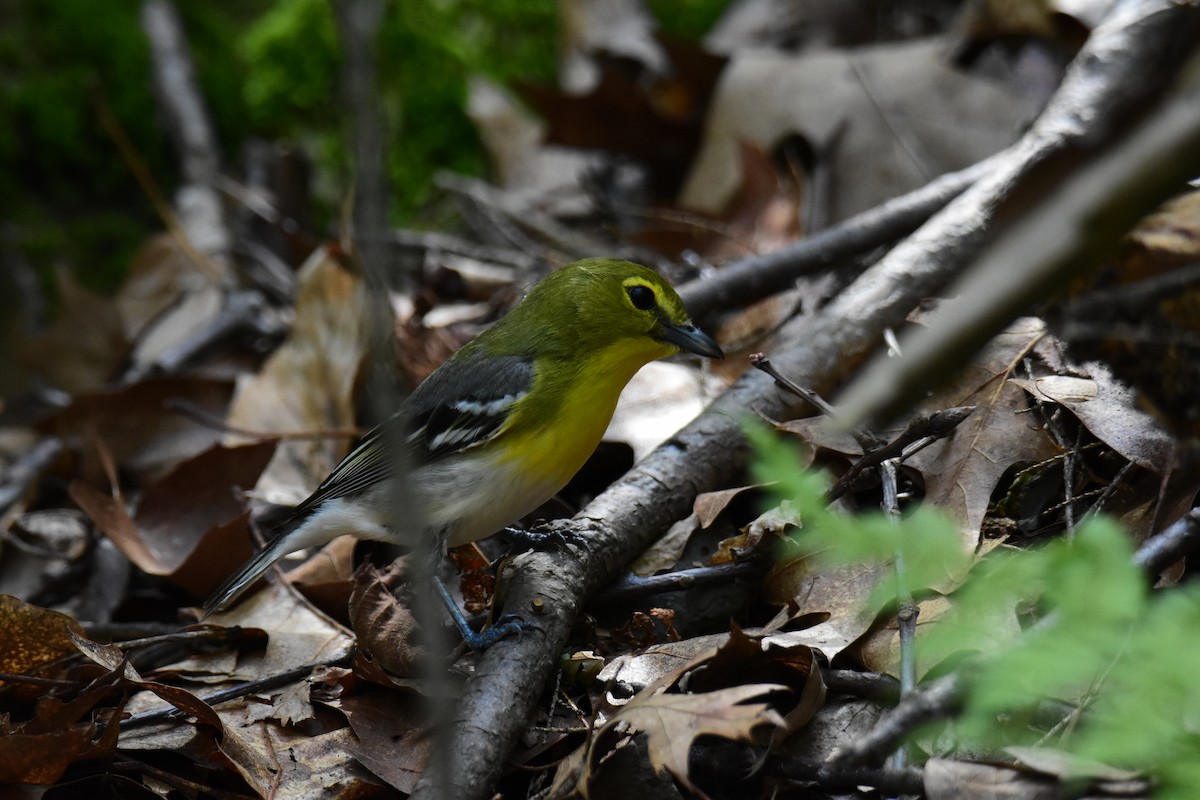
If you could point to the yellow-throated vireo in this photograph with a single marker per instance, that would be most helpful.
(505, 422)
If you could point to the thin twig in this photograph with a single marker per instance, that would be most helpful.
(906, 615)
(145, 179)
(33, 680)
(755, 277)
(632, 587)
(203, 417)
(233, 693)
(26, 470)
(920, 433)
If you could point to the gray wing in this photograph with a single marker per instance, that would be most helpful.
(482, 391)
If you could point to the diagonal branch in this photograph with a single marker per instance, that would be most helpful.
(820, 352)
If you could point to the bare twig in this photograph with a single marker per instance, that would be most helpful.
(761, 362)
(934, 701)
(225, 695)
(25, 471)
(920, 432)
(190, 127)
(755, 277)
(867, 685)
(632, 587)
(1164, 549)
(906, 614)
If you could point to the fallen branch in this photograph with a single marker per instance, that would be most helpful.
(818, 353)
(755, 277)
(1118, 138)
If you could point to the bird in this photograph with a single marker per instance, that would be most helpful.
(502, 425)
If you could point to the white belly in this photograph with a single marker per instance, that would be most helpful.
(467, 499)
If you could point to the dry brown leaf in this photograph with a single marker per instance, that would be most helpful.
(190, 525)
(195, 311)
(965, 780)
(40, 758)
(167, 299)
(1139, 315)
(33, 637)
(709, 505)
(297, 635)
(660, 663)
(1068, 766)
(295, 765)
(818, 432)
(773, 524)
(385, 628)
(962, 470)
(879, 649)
(671, 722)
(667, 549)
(113, 659)
(908, 115)
(60, 732)
(325, 578)
(845, 593)
(390, 737)
(1109, 410)
(294, 704)
(140, 425)
(746, 659)
(158, 275)
(1171, 235)
(83, 348)
(307, 385)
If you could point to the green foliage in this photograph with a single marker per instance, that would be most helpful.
(427, 50)
(927, 541)
(1147, 710)
(1102, 641)
(686, 19)
(1073, 645)
(58, 60)
(266, 69)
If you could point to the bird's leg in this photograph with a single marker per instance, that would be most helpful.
(483, 639)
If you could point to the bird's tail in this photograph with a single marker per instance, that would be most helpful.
(240, 581)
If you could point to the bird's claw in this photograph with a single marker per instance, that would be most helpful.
(507, 625)
(542, 537)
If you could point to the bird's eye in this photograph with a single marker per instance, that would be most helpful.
(642, 297)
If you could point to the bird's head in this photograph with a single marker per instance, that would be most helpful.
(606, 301)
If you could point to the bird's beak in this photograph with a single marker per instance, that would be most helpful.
(688, 337)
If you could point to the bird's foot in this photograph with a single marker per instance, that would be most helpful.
(542, 537)
(508, 625)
